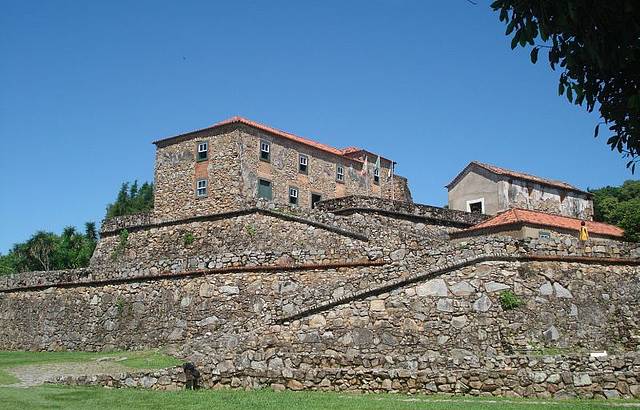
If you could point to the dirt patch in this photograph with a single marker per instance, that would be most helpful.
(35, 374)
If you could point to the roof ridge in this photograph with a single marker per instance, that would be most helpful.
(276, 131)
(518, 175)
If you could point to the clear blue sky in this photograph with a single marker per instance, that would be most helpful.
(86, 86)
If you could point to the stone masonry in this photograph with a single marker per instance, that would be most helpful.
(362, 290)
(233, 168)
(359, 294)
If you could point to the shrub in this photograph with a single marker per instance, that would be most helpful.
(509, 300)
(123, 238)
(188, 238)
(251, 230)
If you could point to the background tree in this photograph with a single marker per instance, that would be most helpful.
(41, 247)
(619, 206)
(48, 251)
(132, 199)
(596, 44)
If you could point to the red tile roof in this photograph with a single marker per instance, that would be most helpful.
(519, 217)
(274, 131)
(518, 175)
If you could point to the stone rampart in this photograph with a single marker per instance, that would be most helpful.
(310, 299)
(432, 214)
(512, 376)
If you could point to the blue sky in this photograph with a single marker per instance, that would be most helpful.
(86, 86)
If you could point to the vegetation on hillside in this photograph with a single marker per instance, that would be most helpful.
(132, 200)
(72, 249)
(596, 46)
(49, 251)
(619, 206)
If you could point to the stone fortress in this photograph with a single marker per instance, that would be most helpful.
(271, 260)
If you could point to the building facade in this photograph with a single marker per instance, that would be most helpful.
(236, 161)
(488, 189)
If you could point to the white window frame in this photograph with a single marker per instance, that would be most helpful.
(303, 160)
(265, 146)
(294, 193)
(340, 173)
(376, 175)
(202, 184)
(473, 201)
(203, 146)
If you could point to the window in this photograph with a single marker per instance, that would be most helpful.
(265, 151)
(563, 195)
(303, 164)
(476, 206)
(264, 189)
(315, 198)
(203, 147)
(293, 196)
(201, 188)
(340, 173)
(544, 234)
(376, 176)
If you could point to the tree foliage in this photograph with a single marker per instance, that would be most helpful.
(48, 251)
(132, 200)
(596, 44)
(619, 206)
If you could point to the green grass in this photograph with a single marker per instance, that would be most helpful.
(61, 397)
(134, 360)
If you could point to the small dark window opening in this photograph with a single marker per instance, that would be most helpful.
(475, 207)
(265, 151)
(293, 196)
(376, 176)
(264, 189)
(544, 234)
(203, 148)
(530, 189)
(340, 173)
(314, 199)
(303, 164)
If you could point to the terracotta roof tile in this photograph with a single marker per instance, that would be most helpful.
(525, 216)
(283, 134)
(518, 175)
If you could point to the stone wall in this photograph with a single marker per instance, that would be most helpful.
(567, 305)
(233, 168)
(527, 195)
(499, 193)
(511, 376)
(430, 214)
(177, 171)
(308, 299)
(251, 239)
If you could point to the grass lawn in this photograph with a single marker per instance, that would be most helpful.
(62, 397)
(134, 360)
(95, 398)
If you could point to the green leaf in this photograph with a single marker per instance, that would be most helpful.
(514, 40)
(560, 88)
(597, 130)
(534, 55)
(570, 94)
